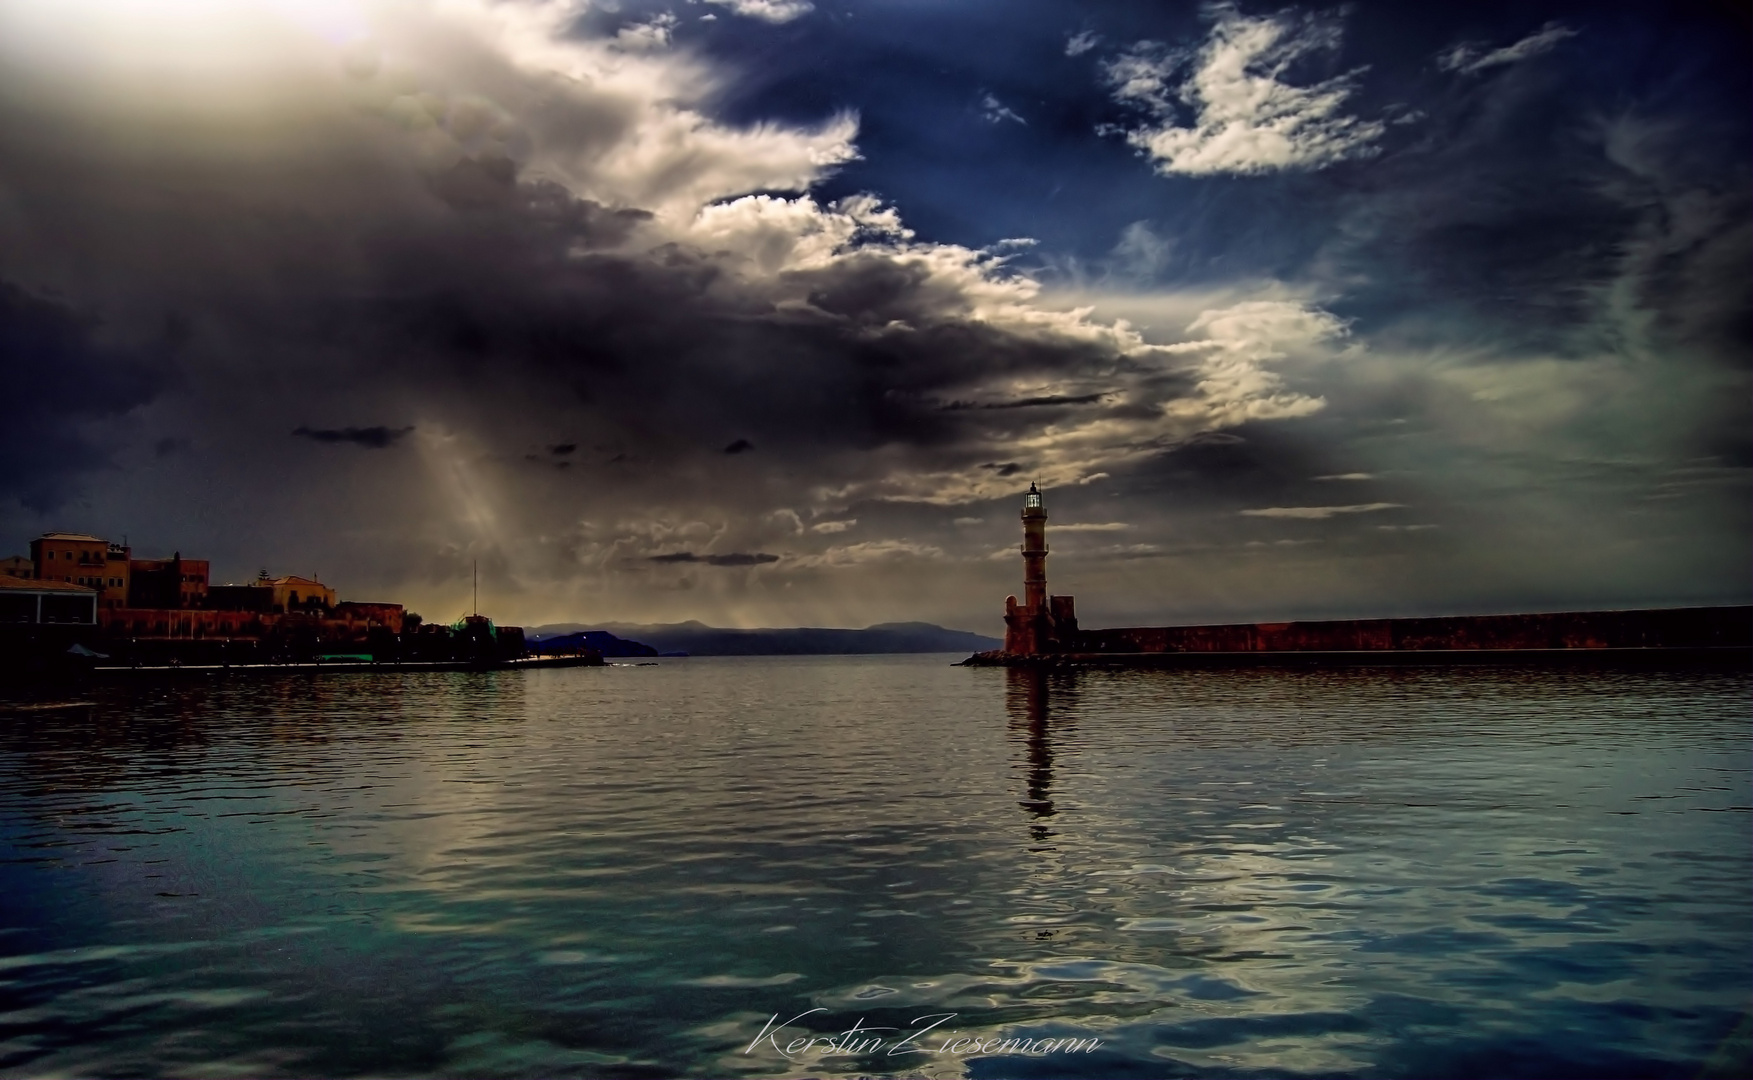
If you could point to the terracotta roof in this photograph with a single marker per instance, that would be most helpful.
(8, 582)
(72, 536)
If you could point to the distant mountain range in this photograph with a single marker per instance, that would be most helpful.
(698, 639)
(609, 645)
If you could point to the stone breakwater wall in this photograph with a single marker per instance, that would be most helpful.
(1664, 629)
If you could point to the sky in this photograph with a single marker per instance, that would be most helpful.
(767, 312)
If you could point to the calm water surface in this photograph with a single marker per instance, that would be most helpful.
(631, 871)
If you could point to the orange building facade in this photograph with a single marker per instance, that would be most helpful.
(77, 559)
(294, 593)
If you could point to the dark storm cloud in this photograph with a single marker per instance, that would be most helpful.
(501, 304)
(376, 437)
(1028, 402)
(1518, 212)
(520, 285)
(660, 348)
(1254, 465)
(61, 375)
(735, 558)
(487, 185)
(469, 255)
(1540, 214)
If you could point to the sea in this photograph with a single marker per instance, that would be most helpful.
(880, 866)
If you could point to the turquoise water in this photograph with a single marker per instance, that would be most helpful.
(633, 871)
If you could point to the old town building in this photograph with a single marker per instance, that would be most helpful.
(175, 582)
(170, 600)
(77, 559)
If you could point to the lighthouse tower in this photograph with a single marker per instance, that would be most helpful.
(1034, 551)
(1041, 623)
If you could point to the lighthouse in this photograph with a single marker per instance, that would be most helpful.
(1034, 550)
(1041, 623)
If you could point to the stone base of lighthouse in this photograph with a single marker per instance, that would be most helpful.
(1039, 630)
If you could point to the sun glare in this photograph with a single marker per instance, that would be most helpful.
(186, 38)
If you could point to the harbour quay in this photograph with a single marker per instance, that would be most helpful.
(82, 603)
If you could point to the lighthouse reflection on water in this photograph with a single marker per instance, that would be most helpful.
(1038, 704)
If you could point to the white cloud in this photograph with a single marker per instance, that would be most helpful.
(964, 522)
(1468, 58)
(997, 112)
(1140, 253)
(620, 120)
(1081, 42)
(871, 551)
(773, 11)
(1141, 411)
(1092, 526)
(1125, 551)
(772, 235)
(1348, 476)
(1317, 513)
(648, 35)
(1235, 386)
(833, 526)
(1246, 119)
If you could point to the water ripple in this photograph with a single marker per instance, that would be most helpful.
(631, 871)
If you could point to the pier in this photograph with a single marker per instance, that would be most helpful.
(1043, 631)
